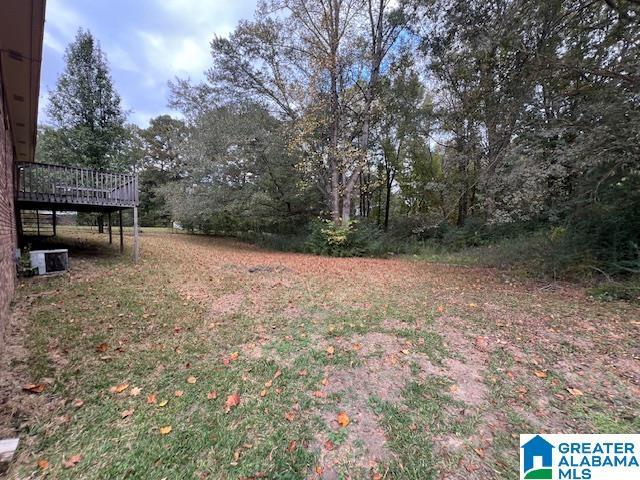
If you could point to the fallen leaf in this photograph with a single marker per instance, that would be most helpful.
(319, 470)
(302, 373)
(319, 394)
(292, 446)
(43, 464)
(453, 388)
(78, 403)
(376, 476)
(343, 419)
(34, 388)
(163, 403)
(329, 445)
(405, 351)
(277, 374)
(472, 305)
(151, 398)
(575, 392)
(479, 451)
(330, 350)
(263, 392)
(165, 430)
(178, 393)
(268, 384)
(127, 413)
(233, 400)
(119, 388)
(102, 347)
(356, 346)
(325, 381)
(72, 461)
(212, 395)
(290, 416)
(233, 356)
(192, 379)
(540, 374)
(440, 309)
(134, 392)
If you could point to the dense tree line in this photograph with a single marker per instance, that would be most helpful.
(451, 120)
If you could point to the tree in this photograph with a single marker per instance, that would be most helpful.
(161, 163)
(84, 109)
(318, 66)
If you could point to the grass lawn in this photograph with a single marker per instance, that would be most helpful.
(216, 359)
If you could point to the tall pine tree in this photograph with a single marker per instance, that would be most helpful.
(84, 108)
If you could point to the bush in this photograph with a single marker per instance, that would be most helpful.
(356, 239)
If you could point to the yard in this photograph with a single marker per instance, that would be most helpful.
(216, 359)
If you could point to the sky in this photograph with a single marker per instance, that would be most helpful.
(147, 43)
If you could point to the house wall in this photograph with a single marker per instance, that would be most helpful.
(8, 236)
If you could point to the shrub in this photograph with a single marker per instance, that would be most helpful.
(355, 239)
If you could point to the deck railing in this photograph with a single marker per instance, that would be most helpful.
(59, 184)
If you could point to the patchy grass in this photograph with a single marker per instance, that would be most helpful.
(438, 368)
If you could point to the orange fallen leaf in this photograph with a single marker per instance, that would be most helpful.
(319, 394)
(134, 392)
(343, 419)
(440, 309)
(405, 351)
(292, 446)
(71, 461)
(319, 470)
(268, 384)
(151, 398)
(178, 393)
(233, 400)
(376, 476)
(212, 395)
(34, 388)
(575, 392)
(127, 413)
(330, 350)
(102, 347)
(234, 356)
(165, 430)
(356, 346)
(540, 374)
(290, 416)
(78, 403)
(263, 392)
(43, 464)
(119, 388)
(325, 381)
(277, 374)
(192, 379)
(329, 445)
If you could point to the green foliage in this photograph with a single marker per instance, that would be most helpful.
(355, 239)
(88, 121)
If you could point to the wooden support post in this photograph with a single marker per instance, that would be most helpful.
(38, 221)
(53, 221)
(121, 234)
(110, 235)
(136, 246)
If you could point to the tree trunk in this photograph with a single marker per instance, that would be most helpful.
(388, 200)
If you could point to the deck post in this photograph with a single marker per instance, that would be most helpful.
(136, 246)
(38, 221)
(110, 235)
(53, 221)
(121, 235)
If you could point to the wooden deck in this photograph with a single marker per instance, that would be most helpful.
(59, 187)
